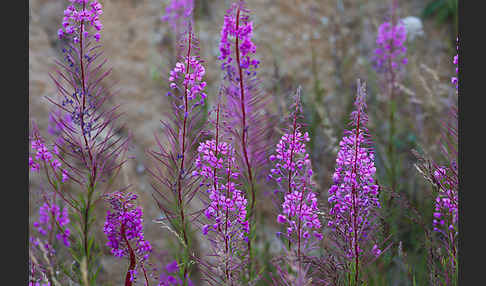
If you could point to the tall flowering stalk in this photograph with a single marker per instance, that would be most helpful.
(445, 179)
(124, 230)
(245, 103)
(183, 132)
(353, 197)
(390, 58)
(45, 249)
(87, 140)
(292, 171)
(227, 225)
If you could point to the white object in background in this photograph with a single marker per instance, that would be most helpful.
(414, 27)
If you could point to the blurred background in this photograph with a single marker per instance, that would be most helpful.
(323, 46)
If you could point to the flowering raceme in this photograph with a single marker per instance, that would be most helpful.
(77, 16)
(47, 212)
(124, 225)
(191, 72)
(291, 156)
(124, 230)
(46, 158)
(292, 172)
(227, 208)
(300, 203)
(446, 203)
(245, 104)
(353, 197)
(241, 28)
(390, 53)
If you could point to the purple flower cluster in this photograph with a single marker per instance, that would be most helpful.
(390, 53)
(293, 167)
(291, 156)
(169, 278)
(237, 27)
(47, 212)
(300, 203)
(300, 212)
(354, 194)
(76, 18)
(455, 79)
(227, 206)
(191, 73)
(446, 204)
(45, 156)
(123, 227)
(178, 10)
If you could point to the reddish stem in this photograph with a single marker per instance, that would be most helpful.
(216, 155)
(299, 231)
(131, 267)
(145, 275)
(243, 121)
(292, 155)
(354, 193)
(226, 224)
(243, 130)
(93, 166)
(183, 151)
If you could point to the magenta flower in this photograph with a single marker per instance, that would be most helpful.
(190, 72)
(78, 17)
(169, 277)
(48, 158)
(124, 225)
(300, 212)
(390, 55)
(51, 215)
(291, 157)
(124, 230)
(238, 27)
(446, 204)
(227, 205)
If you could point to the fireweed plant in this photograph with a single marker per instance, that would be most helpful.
(174, 185)
(124, 230)
(245, 105)
(299, 211)
(389, 61)
(353, 197)
(87, 151)
(227, 226)
(445, 180)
